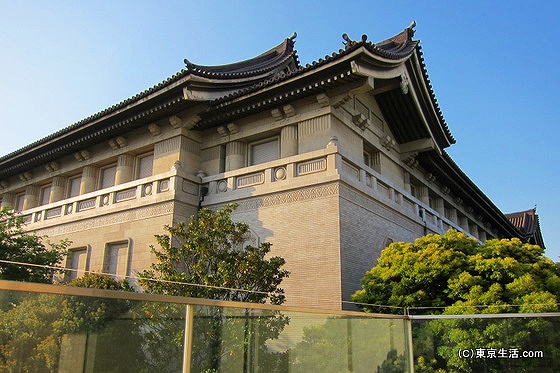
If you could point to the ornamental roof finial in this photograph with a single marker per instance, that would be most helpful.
(349, 43)
(411, 30)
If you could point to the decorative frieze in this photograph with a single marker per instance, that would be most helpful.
(250, 180)
(377, 208)
(299, 195)
(53, 213)
(111, 219)
(126, 194)
(86, 204)
(312, 166)
(167, 146)
(190, 146)
(314, 125)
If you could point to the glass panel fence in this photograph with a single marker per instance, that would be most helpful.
(487, 343)
(256, 340)
(47, 328)
(68, 333)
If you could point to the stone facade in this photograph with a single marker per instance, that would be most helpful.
(329, 162)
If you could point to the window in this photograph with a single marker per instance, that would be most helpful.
(74, 186)
(77, 263)
(20, 198)
(108, 176)
(367, 159)
(264, 151)
(45, 195)
(145, 166)
(116, 259)
(372, 158)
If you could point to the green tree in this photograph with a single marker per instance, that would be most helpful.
(207, 258)
(455, 274)
(208, 253)
(17, 245)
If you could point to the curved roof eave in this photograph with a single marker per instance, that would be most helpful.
(283, 55)
(112, 110)
(445, 169)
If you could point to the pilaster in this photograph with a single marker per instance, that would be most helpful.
(288, 141)
(58, 188)
(31, 197)
(8, 200)
(89, 179)
(235, 155)
(125, 166)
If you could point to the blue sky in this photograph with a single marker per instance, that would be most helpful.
(493, 66)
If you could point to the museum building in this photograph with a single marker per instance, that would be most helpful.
(330, 162)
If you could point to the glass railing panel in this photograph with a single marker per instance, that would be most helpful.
(255, 340)
(492, 344)
(68, 333)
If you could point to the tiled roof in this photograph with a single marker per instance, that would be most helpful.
(389, 49)
(274, 66)
(528, 223)
(283, 57)
(396, 48)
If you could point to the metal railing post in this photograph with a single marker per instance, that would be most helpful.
(409, 344)
(187, 346)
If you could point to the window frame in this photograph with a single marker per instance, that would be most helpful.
(42, 189)
(137, 163)
(71, 179)
(101, 174)
(126, 244)
(77, 271)
(19, 201)
(251, 145)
